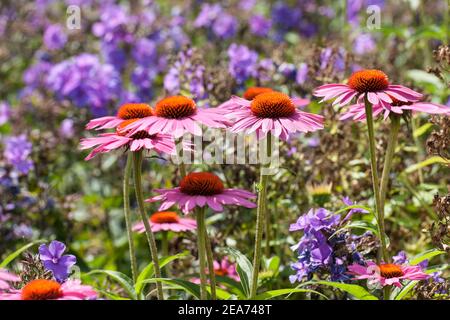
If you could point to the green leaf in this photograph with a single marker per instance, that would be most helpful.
(149, 270)
(359, 225)
(189, 287)
(423, 77)
(244, 269)
(355, 206)
(422, 129)
(424, 256)
(18, 252)
(399, 294)
(425, 163)
(233, 285)
(280, 292)
(125, 282)
(353, 289)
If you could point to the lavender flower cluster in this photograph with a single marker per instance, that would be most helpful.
(324, 248)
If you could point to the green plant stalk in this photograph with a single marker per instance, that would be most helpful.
(127, 214)
(137, 162)
(420, 152)
(260, 217)
(268, 225)
(201, 251)
(375, 180)
(165, 243)
(210, 260)
(390, 151)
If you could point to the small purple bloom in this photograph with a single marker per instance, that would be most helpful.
(302, 74)
(259, 25)
(54, 37)
(348, 202)
(5, 112)
(66, 128)
(17, 152)
(243, 62)
(225, 26)
(364, 43)
(53, 259)
(400, 258)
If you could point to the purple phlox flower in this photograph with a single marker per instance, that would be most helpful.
(66, 128)
(302, 74)
(5, 112)
(288, 70)
(364, 43)
(17, 152)
(145, 52)
(348, 202)
(53, 259)
(23, 231)
(243, 62)
(400, 258)
(208, 13)
(247, 5)
(86, 82)
(225, 26)
(259, 25)
(55, 37)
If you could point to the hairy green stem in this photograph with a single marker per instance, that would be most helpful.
(127, 214)
(200, 215)
(210, 260)
(137, 161)
(375, 180)
(392, 142)
(260, 217)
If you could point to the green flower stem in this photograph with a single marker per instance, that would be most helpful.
(392, 142)
(200, 215)
(260, 217)
(375, 180)
(210, 259)
(127, 213)
(137, 161)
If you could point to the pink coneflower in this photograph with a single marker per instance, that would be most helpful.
(273, 112)
(127, 111)
(42, 289)
(225, 268)
(249, 94)
(5, 278)
(373, 84)
(106, 142)
(167, 221)
(198, 189)
(357, 111)
(387, 274)
(177, 115)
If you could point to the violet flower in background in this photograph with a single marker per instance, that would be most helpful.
(225, 26)
(53, 258)
(17, 151)
(259, 25)
(364, 43)
(322, 248)
(55, 37)
(5, 112)
(302, 74)
(66, 128)
(86, 82)
(243, 62)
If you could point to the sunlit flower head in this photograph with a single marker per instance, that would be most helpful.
(167, 221)
(387, 274)
(42, 289)
(176, 116)
(373, 84)
(274, 113)
(201, 189)
(225, 268)
(140, 140)
(126, 112)
(357, 111)
(249, 94)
